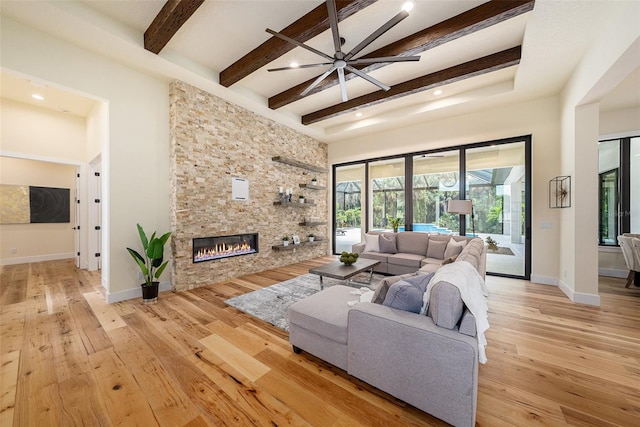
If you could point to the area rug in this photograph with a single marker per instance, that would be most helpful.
(271, 303)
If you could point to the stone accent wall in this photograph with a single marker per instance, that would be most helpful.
(213, 141)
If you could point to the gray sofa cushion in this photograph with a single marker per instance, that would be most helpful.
(323, 313)
(436, 249)
(375, 255)
(468, 323)
(445, 305)
(387, 243)
(410, 260)
(472, 253)
(412, 243)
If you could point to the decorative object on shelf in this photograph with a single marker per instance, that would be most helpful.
(314, 181)
(301, 198)
(491, 244)
(348, 258)
(150, 264)
(311, 237)
(463, 207)
(296, 239)
(281, 195)
(285, 241)
(395, 223)
(289, 194)
(560, 192)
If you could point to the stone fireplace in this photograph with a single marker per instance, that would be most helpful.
(217, 247)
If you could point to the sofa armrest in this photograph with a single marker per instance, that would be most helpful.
(358, 248)
(407, 355)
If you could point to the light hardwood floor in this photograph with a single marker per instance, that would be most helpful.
(68, 358)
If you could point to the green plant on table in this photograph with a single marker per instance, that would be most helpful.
(348, 258)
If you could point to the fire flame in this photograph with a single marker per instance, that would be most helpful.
(222, 250)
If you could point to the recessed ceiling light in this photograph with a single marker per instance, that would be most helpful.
(358, 114)
(408, 6)
(38, 97)
(294, 65)
(437, 92)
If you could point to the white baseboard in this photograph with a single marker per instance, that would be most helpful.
(36, 258)
(133, 293)
(612, 272)
(544, 280)
(578, 297)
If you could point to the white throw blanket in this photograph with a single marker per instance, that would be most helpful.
(473, 291)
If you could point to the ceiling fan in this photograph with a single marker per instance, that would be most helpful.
(341, 61)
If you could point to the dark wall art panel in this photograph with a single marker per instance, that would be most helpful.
(49, 205)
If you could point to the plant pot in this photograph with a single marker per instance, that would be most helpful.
(285, 243)
(311, 239)
(150, 293)
(301, 200)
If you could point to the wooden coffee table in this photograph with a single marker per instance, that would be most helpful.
(337, 270)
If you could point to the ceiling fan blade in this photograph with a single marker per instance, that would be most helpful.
(297, 43)
(317, 81)
(301, 66)
(377, 33)
(383, 59)
(368, 78)
(343, 84)
(333, 23)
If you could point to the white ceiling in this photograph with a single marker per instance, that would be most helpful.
(555, 35)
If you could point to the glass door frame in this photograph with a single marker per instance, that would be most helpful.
(408, 194)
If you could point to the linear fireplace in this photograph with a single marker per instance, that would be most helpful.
(210, 248)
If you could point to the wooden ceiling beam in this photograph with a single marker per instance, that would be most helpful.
(310, 25)
(487, 64)
(166, 24)
(466, 23)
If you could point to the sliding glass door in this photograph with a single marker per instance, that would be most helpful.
(496, 183)
(386, 193)
(348, 199)
(436, 180)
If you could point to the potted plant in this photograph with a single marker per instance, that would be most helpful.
(491, 244)
(314, 181)
(285, 241)
(301, 198)
(395, 223)
(150, 264)
(311, 237)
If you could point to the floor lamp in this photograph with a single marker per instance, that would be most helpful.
(462, 207)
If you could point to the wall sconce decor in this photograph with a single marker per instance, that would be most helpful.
(560, 192)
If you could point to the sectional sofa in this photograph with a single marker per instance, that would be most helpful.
(408, 252)
(429, 360)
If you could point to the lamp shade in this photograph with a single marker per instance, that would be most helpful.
(464, 207)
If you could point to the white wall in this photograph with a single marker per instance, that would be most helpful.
(20, 243)
(610, 59)
(135, 164)
(540, 118)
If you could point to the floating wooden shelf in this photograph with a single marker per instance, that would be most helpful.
(291, 246)
(294, 204)
(312, 187)
(311, 224)
(298, 164)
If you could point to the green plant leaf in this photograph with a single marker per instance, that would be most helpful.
(143, 237)
(155, 250)
(165, 237)
(156, 262)
(141, 263)
(160, 270)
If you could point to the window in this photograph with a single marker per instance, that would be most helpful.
(619, 200)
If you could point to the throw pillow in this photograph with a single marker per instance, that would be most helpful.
(436, 249)
(454, 248)
(371, 243)
(420, 280)
(388, 243)
(404, 296)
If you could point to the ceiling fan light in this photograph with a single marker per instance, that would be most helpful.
(408, 6)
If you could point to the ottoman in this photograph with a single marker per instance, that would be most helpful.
(318, 324)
